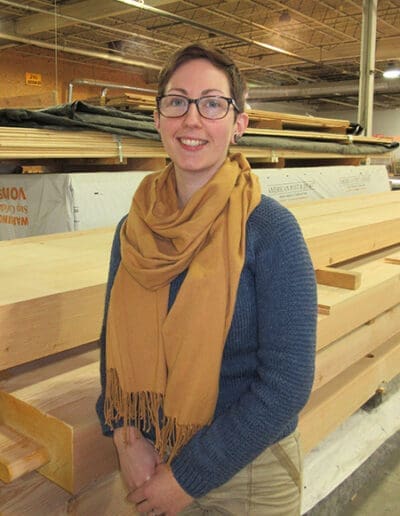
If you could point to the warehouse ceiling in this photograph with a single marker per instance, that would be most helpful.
(289, 50)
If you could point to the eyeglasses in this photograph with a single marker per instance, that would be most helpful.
(212, 107)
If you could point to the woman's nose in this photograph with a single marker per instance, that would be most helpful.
(192, 116)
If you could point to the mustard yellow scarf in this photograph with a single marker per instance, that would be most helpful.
(171, 361)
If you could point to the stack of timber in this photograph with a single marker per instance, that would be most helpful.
(257, 117)
(53, 459)
(272, 140)
(60, 151)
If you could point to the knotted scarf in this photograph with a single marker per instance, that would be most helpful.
(163, 367)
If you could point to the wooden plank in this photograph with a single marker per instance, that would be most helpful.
(346, 244)
(318, 208)
(297, 120)
(338, 399)
(39, 327)
(59, 414)
(335, 277)
(19, 455)
(313, 135)
(342, 229)
(33, 495)
(348, 309)
(107, 497)
(375, 274)
(346, 220)
(344, 352)
(52, 293)
(393, 258)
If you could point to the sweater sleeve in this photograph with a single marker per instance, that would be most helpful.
(115, 259)
(286, 322)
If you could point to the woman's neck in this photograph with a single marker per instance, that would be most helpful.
(188, 182)
(187, 185)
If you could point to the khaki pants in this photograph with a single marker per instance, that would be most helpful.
(269, 486)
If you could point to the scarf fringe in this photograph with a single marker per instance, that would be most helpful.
(143, 411)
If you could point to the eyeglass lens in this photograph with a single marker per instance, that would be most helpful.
(208, 107)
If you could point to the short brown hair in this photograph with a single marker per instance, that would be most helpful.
(219, 59)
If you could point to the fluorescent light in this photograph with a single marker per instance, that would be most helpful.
(392, 72)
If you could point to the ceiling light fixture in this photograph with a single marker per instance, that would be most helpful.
(392, 71)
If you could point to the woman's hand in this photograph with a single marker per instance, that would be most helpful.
(137, 457)
(161, 494)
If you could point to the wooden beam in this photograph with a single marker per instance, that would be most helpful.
(59, 414)
(341, 278)
(34, 495)
(19, 455)
(52, 293)
(337, 400)
(344, 352)
(345, 244)
(336, 205)
(342, 311)
(393, 258)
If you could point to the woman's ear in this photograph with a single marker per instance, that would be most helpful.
(241, 123)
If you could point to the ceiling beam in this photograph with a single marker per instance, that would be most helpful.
(86, 10)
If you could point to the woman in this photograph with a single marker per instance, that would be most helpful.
(208, 346)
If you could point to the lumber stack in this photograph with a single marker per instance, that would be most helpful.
(257, 117)
(30, 143)
(49, 404)
(272, 139)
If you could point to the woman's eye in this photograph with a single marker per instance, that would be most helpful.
(176, 102)
(212, 103)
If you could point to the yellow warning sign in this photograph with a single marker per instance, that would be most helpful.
(33, 79)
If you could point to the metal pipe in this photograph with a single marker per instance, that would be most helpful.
(322, 89)
(105, 85)
(78, 51)
(90, 23)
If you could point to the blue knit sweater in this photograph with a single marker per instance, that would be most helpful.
(268, 361)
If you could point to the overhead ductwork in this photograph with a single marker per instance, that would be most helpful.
(326, 89)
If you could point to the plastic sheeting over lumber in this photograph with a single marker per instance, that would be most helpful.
(80, 116)
(349, 147)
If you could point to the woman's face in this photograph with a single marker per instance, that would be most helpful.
(196, 144)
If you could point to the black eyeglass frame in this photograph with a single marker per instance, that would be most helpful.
(229, 100)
